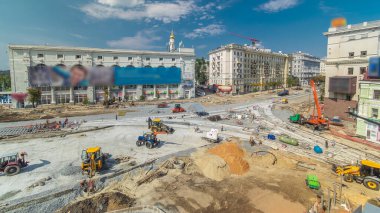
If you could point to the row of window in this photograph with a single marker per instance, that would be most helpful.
(350, 70)
(99, 57)
(362, 54)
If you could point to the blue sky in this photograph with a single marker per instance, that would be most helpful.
(286, 25)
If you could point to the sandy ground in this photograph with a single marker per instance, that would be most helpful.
(264, 188)
(59, 157)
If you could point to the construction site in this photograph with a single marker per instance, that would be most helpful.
(247, 153)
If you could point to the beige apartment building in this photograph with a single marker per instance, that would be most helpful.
(247, 68)
(348, 51)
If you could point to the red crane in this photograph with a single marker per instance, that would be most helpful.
(253, 40)
(319, 122)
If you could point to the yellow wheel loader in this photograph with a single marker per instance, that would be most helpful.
(367, 173)
(93, 160)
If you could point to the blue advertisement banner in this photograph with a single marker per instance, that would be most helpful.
(78, 75)
(146, 75)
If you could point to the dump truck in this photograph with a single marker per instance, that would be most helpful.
(366, 173)
(12, 163)
(93, 160)
(297, 118)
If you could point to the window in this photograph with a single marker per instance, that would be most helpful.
(147, 59)
(100, 57)
(130, 86)
(363, 70)
(376, 94)
(129, 58)
(375, 112)
(351, 54)
(148, 86)
(161, 59)
(115, 58)
(40, 55)
(173, 59)
(363, 53)
(78, 56)
(59, 56)
(350, 71)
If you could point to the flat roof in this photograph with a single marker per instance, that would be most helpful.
(180, 51)
(353, 27)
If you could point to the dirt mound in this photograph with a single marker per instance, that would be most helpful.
(212, 167)
(101, 203)
(233, 155)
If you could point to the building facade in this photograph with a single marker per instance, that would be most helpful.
(304, 66)
(368, 110)
(322, 67)
(348, 51)
(23, 56)
(246, 68)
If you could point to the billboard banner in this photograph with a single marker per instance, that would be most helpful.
(145, 75)
(79, 75)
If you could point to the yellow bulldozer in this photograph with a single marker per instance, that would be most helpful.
(366, 173)
(93, 160)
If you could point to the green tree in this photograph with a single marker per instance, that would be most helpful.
(292, 81)
(5, 80)
(106, 101)
(34, 95)
(201, 71)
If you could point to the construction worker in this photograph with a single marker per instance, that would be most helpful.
(149, 122)
(326, 144)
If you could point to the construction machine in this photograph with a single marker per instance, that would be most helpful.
(297, 118)
(318, 122)
(366, 173)
(157, 126)
(12, 163)
(177, 108)
(148, 139)
(93, 160)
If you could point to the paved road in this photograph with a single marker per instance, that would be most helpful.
(153, 111)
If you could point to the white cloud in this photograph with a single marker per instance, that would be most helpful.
(209, 30)
(273, 6)
(123, 3)
(162, 11)
(78, 36)
(145, 39)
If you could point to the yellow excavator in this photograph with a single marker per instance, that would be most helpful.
(93, 160)
(157, 126)
(366, 173)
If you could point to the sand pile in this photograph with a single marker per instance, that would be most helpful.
(100, 203)
(212, 166)
(233, 155)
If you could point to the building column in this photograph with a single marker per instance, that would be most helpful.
(154, 92)
(71, 95)
(139, 92)
(52, 92)
(123, 93)
(91, 94)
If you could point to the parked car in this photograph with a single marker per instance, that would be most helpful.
(162, 105)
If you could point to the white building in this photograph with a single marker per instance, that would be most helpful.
(23, 56)
(322, 67)
(348, 50)
(304, 66)
(247, 68)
